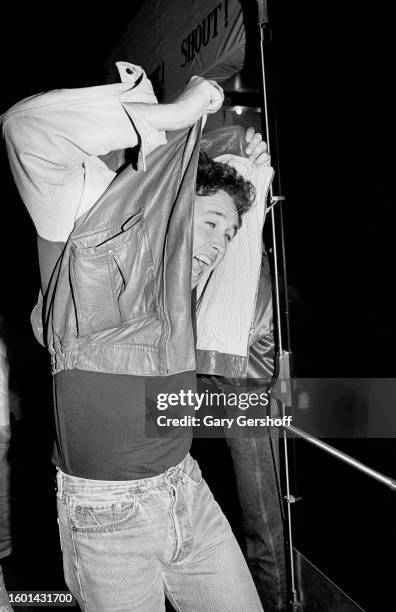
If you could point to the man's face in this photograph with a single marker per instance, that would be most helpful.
(215, 224)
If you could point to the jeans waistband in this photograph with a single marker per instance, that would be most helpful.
(74, 484)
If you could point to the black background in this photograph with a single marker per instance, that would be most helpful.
(331, 66)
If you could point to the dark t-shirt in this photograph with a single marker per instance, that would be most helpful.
(106, 424)
(102, 420)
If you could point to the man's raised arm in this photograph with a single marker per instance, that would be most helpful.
(199, 97)
(50, 137)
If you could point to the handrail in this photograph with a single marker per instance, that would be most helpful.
(386, 480)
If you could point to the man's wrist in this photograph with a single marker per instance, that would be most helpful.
(165, 117)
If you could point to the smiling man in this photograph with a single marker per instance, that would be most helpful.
(136, 518)
(222, 197)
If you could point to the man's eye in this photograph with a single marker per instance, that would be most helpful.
(211, 224)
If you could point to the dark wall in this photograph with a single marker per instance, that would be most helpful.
(333, 77)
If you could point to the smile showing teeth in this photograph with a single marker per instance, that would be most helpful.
(200, 263)
(204, 259)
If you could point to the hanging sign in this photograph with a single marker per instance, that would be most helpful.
(174, 40)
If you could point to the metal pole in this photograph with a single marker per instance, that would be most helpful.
(283, 356)
(389, 482)
(267, 131)
(289, 500)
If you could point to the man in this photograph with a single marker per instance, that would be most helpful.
(222, 197)
(255, 459)
(254, 455)
(136, 520)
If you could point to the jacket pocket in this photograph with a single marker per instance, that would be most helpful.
(112, 275)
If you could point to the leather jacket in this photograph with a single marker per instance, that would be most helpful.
(115, 271)
(119, 299)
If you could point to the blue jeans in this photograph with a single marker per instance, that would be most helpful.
(128, 543)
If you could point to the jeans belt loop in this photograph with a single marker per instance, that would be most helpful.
(172, 474)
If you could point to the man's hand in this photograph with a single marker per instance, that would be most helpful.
(257, 149)
(198, 98)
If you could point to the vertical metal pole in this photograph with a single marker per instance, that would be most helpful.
(282, 354)
(289, 499)
(276, 273)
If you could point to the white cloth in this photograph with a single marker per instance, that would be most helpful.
(227, 307)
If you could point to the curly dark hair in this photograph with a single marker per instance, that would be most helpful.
(214, 176)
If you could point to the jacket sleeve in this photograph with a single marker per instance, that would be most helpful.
(51, 137)
(260, 369)
(262, 346)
